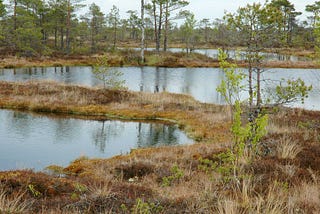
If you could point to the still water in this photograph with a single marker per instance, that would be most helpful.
(201, 83)
(240, 55)
(36, 141)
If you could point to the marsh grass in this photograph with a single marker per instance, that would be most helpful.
(15, 204)
(282, 181)
(287, 148)
(127, 57)
(307, 197)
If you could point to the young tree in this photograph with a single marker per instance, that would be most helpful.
(256, 24)
(2, 14)
(205, 27)
(170, 7)
(247, 135)
(188, 30)
(57, 16)
(232, 84)
(155, 10)
(288, 18)
(142, 31)
(111, 78)
(315, 10)
(72, 6)
(134, 22)
(223, 35)
(161, 11)
(96, 24)
(114, 21)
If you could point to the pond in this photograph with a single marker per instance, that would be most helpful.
(201, 83)
(240, 55)
(36, 141)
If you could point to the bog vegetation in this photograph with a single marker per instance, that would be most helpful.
(272, 170)
(250, 156)
(53, 28)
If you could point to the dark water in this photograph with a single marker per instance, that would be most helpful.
(201, 83)
(36, 141)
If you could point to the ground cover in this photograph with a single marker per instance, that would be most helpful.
(129, 57)
(182, 179)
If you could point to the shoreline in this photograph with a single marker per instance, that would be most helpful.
(167, 179)
(173, 60)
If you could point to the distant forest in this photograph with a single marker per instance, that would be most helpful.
(53, 27)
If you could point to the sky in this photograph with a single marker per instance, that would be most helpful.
(210, 9)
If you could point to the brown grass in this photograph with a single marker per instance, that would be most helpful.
(127, 57)
(196, 118)
(13, 204)
(287, 148)
(283, 180)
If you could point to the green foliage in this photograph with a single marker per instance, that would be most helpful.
(231, 86)
(291, 91)
(176, 175)
(109, 77)
(79, 189)
(207, 165)
(2, 9)
(247, 136)
(28, 39)
(142, 207)
(224, 164)
(188, 29)
(34, 191)
(114, 20)
(96, 23)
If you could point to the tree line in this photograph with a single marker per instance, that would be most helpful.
(49, 27)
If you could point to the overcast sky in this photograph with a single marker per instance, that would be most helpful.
(210, 9)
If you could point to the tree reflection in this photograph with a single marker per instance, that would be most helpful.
(20, 123)
(151, 135)
(105, 134)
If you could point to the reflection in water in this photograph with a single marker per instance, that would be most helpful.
(108, 132)
(241, 55)
(35, 141)
(156, 134)
(201, 83)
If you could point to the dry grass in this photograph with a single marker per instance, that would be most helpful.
(14, 204)
(248, 200)
(278, 182)
(287, 148)
(132, 58)
(197, 119)
(306, 196)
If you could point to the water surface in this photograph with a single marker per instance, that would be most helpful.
(240, 55)
(201, 83)
(36, 141)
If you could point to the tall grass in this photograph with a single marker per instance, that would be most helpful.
(287, 148)
(13, 204)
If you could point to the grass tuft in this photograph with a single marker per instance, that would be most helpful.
(287, 148)
(15, 204)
